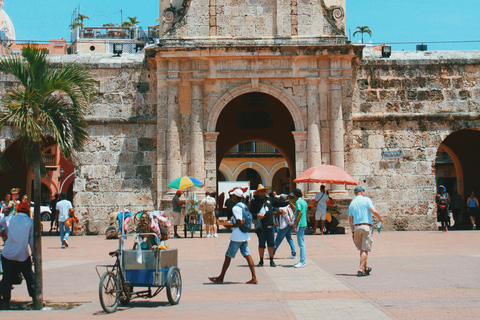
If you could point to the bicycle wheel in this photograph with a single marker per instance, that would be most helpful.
(173, 284)
(109, 292)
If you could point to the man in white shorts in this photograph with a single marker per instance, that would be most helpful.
(321, 199)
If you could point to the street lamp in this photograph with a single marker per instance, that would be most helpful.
(61, 174)
(118, 49)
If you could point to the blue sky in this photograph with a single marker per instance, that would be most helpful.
(391, 21)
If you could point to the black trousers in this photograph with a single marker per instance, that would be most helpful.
(10, 268)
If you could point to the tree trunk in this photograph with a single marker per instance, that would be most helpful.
(37, 230)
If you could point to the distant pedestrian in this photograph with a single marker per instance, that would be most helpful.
(285, 228)
(7, 205)
(456, 205)
(442, 199)
(360, 218)
(207, 205)
(53, 210)
(15, 255)
(64, 209)
(177, 205)
(321, 199)
(472, 204)
(300, 225)
(238, 240)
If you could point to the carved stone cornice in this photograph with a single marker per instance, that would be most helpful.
(334, 16)
(171, 16)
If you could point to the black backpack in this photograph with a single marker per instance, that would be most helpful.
(246, 218)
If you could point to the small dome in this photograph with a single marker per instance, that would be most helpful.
(6, 25)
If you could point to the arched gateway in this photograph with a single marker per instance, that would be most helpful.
(202, 65)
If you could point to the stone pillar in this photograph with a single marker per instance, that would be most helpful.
(337, 130)
(174, 163)
(211, 160)
(301, 158)
(197, 150)
(313, 121)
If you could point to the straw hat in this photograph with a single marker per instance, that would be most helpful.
(260, 187)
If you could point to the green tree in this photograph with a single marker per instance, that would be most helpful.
(131, 22)
(362, 30)
(46, 102)
(78, 22)
(110, 24)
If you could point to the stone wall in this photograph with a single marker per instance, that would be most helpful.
(403, 108)
(117, 167)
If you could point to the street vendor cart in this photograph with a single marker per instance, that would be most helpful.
(139, 273)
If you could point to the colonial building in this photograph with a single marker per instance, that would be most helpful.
(281, 73)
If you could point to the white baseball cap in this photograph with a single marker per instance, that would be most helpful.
(237, 192)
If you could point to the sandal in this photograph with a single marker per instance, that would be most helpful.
(252, 281)
(368, 270)
(215, 280)
(361, 274)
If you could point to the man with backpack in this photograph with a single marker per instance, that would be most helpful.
(241, 223)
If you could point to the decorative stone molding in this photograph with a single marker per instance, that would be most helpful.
(335, 16)
(171, 16)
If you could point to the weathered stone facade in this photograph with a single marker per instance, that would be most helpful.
(403, 108)
(161, 115)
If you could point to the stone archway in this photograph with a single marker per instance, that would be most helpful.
(258, 118)
(216, 147)
(238, 91)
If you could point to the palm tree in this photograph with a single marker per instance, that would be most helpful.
(78, 22)
(45, 103)
(362, 30)
(131, 22)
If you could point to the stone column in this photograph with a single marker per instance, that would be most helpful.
(211, 160)
(337, 130)
(174, 163)
(301, 158)
(313, 139)
(197, 150)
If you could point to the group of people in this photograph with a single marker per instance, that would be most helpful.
(445, 204)
(16, 224)
(293, 215)
(261, 208)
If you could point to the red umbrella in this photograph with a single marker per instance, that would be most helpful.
(326, 174)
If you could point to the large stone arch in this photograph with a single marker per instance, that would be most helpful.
(238, 91)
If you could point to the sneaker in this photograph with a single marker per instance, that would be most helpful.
(300, 265)
(215, 235)
(65, 242)
(292, 257)
(272, 264)
(176, 236)
(260, 264)
(63, 247)
(208, 236)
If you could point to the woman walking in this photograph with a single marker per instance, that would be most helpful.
(472, 204)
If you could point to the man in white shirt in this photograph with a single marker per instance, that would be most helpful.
(64, 208)
(238, 240)
(321, 199)
(208, 210)
(15, 254)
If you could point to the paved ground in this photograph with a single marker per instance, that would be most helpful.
(416, 275)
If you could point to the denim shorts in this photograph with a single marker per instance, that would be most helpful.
(234, 246)
(268, 235)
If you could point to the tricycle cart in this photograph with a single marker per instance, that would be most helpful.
(149, 270)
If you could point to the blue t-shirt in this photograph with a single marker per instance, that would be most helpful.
(360, 209)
